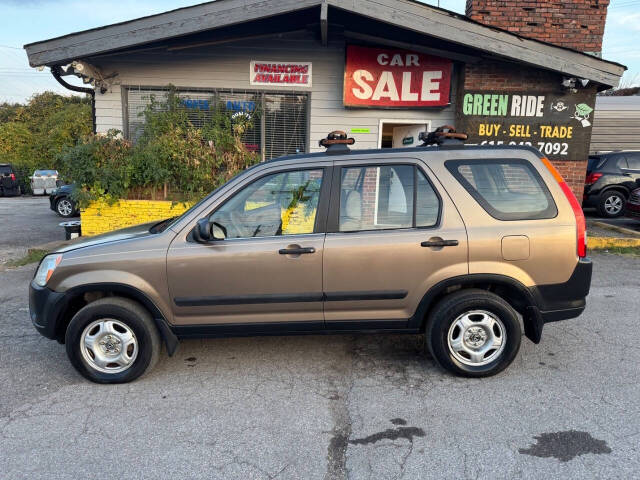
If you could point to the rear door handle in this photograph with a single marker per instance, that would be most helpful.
(296, 251)
(438, 242)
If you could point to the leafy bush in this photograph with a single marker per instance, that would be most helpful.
(173, 158)
(101, 167)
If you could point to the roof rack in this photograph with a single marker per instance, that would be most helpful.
(336, 142)
(442, 136)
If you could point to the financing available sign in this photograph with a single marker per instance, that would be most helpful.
(559, 125)
(394, 78)
(291, 74)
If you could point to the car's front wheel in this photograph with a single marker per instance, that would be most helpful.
(611, 204)
(112, 340)
(473, 333)
(65, 207)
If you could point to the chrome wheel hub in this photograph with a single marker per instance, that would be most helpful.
(109, 346)
(613, 205)
(64, 207)
(476, 338)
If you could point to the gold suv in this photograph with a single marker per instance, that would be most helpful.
(466, 245)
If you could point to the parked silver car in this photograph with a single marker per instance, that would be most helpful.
(43, 182)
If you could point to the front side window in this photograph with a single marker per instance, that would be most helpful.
(283, 203)
(506, 189)
(382, 198)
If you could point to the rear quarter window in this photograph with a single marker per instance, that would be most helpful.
(507, 189)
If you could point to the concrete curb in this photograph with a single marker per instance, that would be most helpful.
(599, 243)
(616, 228)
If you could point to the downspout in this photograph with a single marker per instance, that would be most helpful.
(55, 71)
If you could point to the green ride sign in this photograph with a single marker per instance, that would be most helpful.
(559, 125)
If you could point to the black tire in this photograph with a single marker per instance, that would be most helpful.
(69, 209)
(453, 306)
(610, 199)
(132, 314)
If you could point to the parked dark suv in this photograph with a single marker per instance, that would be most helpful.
(610, 179)
(9, 186)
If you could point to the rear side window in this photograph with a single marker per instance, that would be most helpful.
(633, 162)
(506, 189)
(620, 162)
(386, 197)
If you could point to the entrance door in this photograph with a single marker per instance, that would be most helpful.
(401, 133)
(377, 266)
(268, 267)
(407, 136)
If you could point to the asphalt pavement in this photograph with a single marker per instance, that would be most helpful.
(24, 223)
(325, 407)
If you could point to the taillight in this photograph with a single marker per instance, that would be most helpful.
(13, 177)
(581, 225)
(592, 178)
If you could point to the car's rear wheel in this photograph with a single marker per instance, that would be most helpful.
(473, 333)
(611, 204)
(65, 207)
(112, 340)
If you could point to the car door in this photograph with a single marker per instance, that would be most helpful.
(632, 170)
(393, 232)
(267, 269)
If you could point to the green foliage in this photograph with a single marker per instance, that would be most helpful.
(181, 155)
(32, 136)
(101, 167)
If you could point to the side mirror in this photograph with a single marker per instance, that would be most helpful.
(202, 232)
(206, 231)
(218, 232)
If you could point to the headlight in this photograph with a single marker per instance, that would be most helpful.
(46, 269)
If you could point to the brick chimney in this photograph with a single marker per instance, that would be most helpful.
(576, 24)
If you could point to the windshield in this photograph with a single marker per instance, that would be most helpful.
(45, 173)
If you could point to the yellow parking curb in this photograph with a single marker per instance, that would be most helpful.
(599, 243)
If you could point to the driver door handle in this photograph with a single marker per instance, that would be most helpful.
(296, 250)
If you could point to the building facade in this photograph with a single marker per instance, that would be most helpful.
(381, 71)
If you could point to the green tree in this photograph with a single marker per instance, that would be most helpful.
(33, 136)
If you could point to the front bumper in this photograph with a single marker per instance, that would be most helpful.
(52, 202)
(45, 307)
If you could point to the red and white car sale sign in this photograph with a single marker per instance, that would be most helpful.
(379, 77)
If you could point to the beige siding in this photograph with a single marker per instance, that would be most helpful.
(616, 124)
(227, 66)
